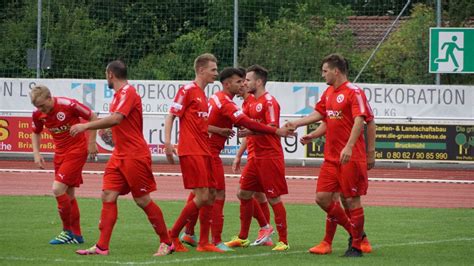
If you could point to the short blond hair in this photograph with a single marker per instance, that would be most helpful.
(39, 91)
(203, 60)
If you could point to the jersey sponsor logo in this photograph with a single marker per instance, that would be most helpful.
(258, 108)
(61, 116)
(237, 113)
(59, 130)
(332, 114)
(202, 114)
(340, 98)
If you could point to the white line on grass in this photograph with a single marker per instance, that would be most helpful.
(214, 258)
(302, 177)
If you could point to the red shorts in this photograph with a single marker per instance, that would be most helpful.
(218, 172)
(196, 171)
(129, 175)
(68, 168)
(351, 178)
(265, 175)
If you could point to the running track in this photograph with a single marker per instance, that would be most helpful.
(399, 188)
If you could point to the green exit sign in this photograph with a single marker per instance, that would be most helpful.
(451, 50)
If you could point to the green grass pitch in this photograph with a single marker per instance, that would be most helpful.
(400, 236)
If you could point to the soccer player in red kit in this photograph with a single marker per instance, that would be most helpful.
(266, 171)
(129, 167)
(58, 114)
(344, 169)
(261, 212)
(223, 114)
(190, 105)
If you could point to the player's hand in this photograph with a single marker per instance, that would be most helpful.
(285, 132)
(39, 160)
(306, 139)
(77, 128)
(346, 154)
(370, 160)
(92, 150)
(170, 151)
(243, 132)
(236, 165)
(290, 124)
(227, 132)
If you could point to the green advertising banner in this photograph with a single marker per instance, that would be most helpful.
(414, 142)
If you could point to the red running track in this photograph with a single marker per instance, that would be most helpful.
(437, 195)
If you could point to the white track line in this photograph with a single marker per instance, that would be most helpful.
(223, 257)
(374, 179)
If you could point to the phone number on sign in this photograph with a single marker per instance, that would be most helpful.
(406, 155)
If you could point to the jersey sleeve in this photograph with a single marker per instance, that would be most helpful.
(37, 125)
(272, 114)
(320, 106)
(359, 106)
(81, 110)
(370, 113)
(179, 103)
(126, 102)
(232, 112)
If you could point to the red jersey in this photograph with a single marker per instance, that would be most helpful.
(190, 105)
(65, 113)
(223, 113)
(245, 108)
(128, 135)
(266, 110)
(339, 108)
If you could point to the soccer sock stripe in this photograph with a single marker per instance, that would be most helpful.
(155, 216)
(108, 217)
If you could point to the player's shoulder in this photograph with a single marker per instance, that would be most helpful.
(64, 101)
(354, 88)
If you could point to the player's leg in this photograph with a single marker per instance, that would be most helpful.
(218, 220)
(354, 183)
(64, 211)
(246, 211)
(365, 245)
(188, 236)
(75, 215)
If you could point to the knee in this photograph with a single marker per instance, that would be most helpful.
(274, 201)
(323, 202)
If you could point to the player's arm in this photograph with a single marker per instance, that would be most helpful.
(371, 144)
(309, 119)
(106, 122)
(238, 156)
(256, 127)
(319, 132)
(92, 145)
(346, 153)
(169, 148)
(35, 141)
(225, 132)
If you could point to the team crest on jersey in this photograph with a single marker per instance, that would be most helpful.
(258, 107)
(61, 116)
(340, 98)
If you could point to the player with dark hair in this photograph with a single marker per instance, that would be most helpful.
(129, 167)
(344, 109)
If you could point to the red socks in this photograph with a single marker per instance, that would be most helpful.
(64, 209)
(258, 213)
(217, 221)
(193, 220)
(246, 212)
(75, 218)
(357, 218)
(189, 211)
(155, 216)
(331, 226)
(265, 210)
(336, 212)
(205, 213)
(280, 221)
(108, 217)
